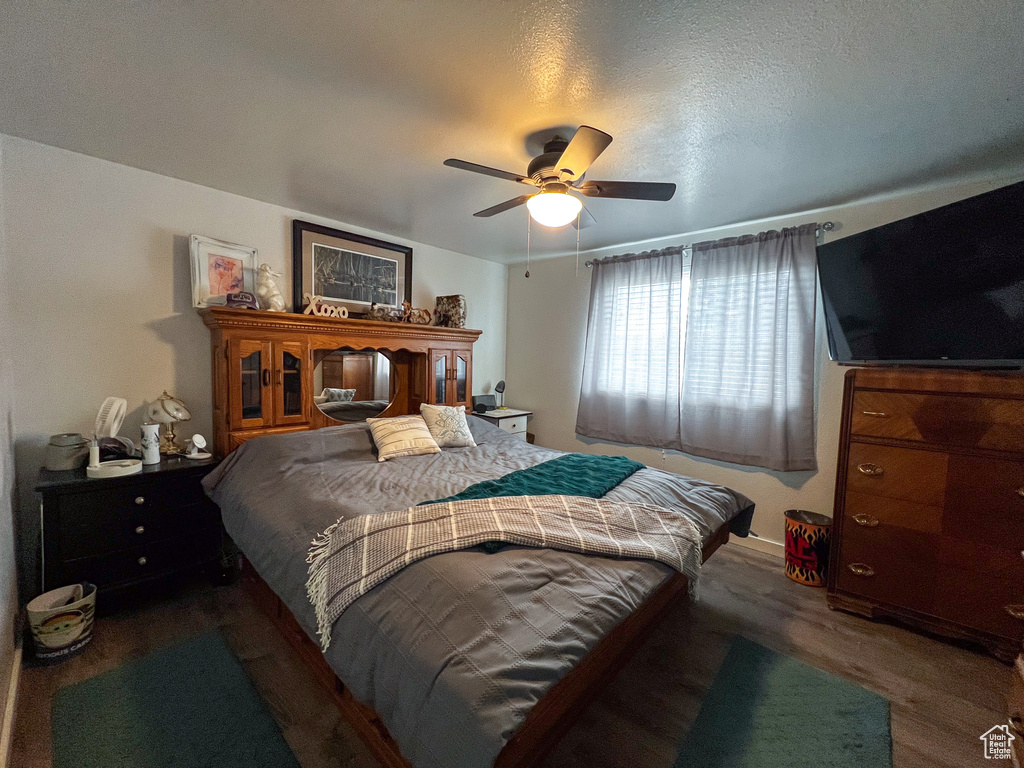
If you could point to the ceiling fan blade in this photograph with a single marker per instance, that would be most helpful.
(487, 171)
(584, 148)
(506, 206)
(585, 219)
(628, 190)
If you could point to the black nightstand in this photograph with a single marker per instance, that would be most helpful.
(128, 535)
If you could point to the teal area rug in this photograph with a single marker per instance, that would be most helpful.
(575, 474)
(188, 706)
(766, 710)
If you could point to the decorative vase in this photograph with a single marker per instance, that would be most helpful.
(150, 443)
(450, 311)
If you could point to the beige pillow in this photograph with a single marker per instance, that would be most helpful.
(447, 425)
(401, 436)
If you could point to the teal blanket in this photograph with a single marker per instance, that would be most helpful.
(575, 474)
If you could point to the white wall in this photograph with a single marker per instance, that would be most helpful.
(102, 294)
(547, 322)
(8, 576)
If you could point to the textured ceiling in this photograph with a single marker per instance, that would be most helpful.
(347, 109)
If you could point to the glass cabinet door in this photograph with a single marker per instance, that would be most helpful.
(249, 377)
(439, 361)
(252, 386)
(461, 374)
(290, 360)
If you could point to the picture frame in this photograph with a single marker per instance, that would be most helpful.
(348, 270)
(219, 268)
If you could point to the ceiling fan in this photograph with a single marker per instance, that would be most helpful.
(558, 173)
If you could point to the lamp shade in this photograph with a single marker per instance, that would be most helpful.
(554, 209)
(167, 410)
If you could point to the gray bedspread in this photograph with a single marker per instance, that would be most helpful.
(455, 650)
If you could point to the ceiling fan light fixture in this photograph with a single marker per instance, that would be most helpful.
(554, 209)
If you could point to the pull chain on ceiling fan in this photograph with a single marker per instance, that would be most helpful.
(558, 175)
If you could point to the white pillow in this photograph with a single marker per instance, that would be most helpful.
(447, 425)
(401, 436)
(337, 395)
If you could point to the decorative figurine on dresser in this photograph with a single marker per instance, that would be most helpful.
(129, 535)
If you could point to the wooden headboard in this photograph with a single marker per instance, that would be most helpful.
(262, 368)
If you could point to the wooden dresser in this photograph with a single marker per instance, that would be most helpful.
(929, 509)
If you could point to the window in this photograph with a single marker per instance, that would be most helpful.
(712, 355)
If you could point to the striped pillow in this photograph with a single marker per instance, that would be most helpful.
(401, 436)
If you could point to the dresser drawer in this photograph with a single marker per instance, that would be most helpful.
(982, 587)
(135, 529)
(897, 473)
(974, 422)
(890, 565)
(869, 511)
(985, 502)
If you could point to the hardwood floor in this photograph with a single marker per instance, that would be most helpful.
(943, 696)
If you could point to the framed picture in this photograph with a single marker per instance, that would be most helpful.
(347, 270)
(220, 268)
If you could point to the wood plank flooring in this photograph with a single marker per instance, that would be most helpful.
(943, 696)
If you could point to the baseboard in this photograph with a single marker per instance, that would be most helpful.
(7, 729)
(761, 545)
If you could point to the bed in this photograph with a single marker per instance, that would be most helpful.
(469, 658)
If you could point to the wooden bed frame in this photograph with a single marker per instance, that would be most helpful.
(418, 354)
(550, 718)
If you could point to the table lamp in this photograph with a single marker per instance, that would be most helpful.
(168, 410)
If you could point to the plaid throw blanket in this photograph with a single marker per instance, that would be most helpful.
(353, 556)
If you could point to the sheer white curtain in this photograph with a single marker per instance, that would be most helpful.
(748, 384)
(743, 312)
(633, 361)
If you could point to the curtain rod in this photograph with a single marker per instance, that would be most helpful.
(825, 226)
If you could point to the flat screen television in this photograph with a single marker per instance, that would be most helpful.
(943, 288)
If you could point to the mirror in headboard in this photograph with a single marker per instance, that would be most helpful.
(351, 384)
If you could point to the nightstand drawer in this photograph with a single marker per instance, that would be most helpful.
(130, 564)
(135, 529)
(513, 425)
(110, 504)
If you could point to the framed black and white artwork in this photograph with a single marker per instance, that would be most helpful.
(348, 270)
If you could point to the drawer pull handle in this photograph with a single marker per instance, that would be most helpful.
(140, 500)
(1015, 610)
(870, 469)
(866, 520)
(140, 529)
(1020, 492)
(876, 414)
(143, 561)
(861, 569)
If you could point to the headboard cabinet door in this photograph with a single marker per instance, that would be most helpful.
(291, 382)
(249, 379)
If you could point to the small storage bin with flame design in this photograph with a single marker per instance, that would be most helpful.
(807, 542)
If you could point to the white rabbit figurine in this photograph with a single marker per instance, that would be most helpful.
(266, 289)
